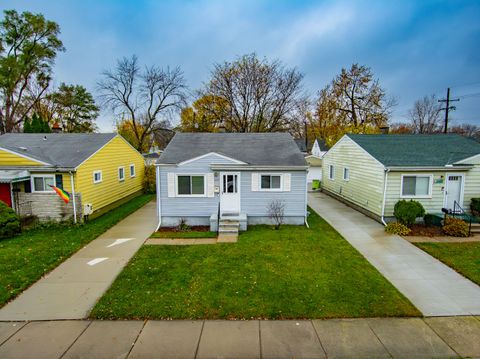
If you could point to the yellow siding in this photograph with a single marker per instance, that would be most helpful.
(10, 159)
(472, 186)
(365, 186)
(437, 201)
(115, 154)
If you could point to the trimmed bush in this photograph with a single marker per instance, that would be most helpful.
(455, 227)
(9, 221)
(149, 180)
(406, 212)
(397, 228)
(475, 206)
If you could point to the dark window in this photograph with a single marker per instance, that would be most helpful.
(59, 181)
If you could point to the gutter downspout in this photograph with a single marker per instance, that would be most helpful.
(159, 207)
(74, 200)
(306, 198)
(384, 195)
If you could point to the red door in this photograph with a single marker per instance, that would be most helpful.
(5, 194)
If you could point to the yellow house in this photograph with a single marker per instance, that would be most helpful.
(96, 169)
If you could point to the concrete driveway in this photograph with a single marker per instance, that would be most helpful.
(434, 288)
(71, 290)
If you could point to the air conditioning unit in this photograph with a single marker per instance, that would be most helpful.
(87, 209)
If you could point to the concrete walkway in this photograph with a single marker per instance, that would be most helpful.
(339, 338)
(434, 288)
(72, 289)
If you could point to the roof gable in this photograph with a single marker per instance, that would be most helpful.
(270, 149)
(436, 150)
(67, 150)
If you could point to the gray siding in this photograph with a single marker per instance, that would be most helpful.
(255, 203)
(189, 206)
(252, 203)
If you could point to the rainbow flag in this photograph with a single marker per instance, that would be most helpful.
(62, 193)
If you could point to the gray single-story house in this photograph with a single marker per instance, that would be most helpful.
(373, 172)
(206, 177)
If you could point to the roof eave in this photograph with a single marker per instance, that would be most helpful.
(428, 168)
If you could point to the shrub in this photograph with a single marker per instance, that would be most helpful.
(149, 180)
(183, 225)
(475, 206)
(432, 220)
(276, 212)
(397, 228)
(406, 212)
(9, 221)
(455, 227)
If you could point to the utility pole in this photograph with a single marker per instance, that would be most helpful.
(448, 107)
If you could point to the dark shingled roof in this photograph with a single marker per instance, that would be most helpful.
(58, 149)
(418, 150)
(269, 149)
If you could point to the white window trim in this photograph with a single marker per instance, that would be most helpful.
(118, 174)
(331, 172)
(101, 176)
(346, 170)
(134, 170)
(430, 186)
(191, 195)
(32, 183)
(260, 189)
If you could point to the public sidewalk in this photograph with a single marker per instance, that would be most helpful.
(440, 337)
(71, 290)
(434, 288)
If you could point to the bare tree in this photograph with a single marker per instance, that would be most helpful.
(143, 96)
(276, 212)
(258, 95)
(467, 130)
(425, 115)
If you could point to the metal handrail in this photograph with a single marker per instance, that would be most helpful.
(463, 213)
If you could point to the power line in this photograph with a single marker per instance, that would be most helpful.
(448, 107)
(469, 95)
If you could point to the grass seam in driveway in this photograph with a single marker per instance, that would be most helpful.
(293, 273)
(25, 258)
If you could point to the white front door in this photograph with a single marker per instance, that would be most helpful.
(454, 191)
(230, 193)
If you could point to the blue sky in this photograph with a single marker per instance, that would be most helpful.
(415, 48)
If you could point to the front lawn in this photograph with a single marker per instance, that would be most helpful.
(464, 257)
(291, 273)
(186, 234)
(26, 258)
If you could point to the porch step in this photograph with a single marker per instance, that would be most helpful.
(228, 226)
(475, 228)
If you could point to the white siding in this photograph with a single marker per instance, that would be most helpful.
(366, 182)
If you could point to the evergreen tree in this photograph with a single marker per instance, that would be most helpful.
(36, 125)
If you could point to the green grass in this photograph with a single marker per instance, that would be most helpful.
(27, 257)
(291, 273)
(187, 234)
(463, 257)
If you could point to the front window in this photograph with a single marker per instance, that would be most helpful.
(121, 173)
(272, 182)
(191, 185)
(43, 183)
(132, 170)
(416, 186)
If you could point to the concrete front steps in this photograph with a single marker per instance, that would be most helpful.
(228, 228)
(475, 228)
